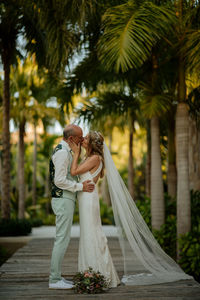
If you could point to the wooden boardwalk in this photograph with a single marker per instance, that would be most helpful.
(25, 276)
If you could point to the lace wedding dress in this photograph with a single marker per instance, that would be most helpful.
(93, 247)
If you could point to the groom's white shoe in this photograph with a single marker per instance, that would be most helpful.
(60, 285)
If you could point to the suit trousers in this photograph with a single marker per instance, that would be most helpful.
(63, 208)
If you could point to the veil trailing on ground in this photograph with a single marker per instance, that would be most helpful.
(144, 260)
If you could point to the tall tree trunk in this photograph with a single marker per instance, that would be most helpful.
(194, 155)
(148, 162)
(5, 197)
(0, 172)
(21, 178)
(182, 144)
(171, 174)
(105, 192)
(157, 193)
(47, 190)
(34, 187)
(104, 185)
(130, 162)
(110, 142)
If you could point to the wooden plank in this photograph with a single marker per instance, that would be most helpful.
(25, 276)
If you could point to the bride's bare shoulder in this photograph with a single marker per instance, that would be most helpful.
(95, 157)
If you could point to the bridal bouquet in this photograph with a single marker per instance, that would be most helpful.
(90, 282)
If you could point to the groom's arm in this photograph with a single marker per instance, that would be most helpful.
(61, 161)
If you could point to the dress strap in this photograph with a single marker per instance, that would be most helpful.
(98, 170)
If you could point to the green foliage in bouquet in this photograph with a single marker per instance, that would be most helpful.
(90, 282)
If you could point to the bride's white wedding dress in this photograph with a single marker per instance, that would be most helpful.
(93, 246)
(145, 262)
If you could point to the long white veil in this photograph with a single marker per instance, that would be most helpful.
(144, 260)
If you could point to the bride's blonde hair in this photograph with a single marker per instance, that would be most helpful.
(96, 146)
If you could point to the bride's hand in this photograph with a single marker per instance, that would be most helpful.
(75, 148)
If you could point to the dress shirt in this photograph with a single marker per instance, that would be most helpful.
(61, 161)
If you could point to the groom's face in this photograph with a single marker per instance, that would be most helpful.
(78, 138)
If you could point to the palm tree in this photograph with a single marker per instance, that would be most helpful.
(171, 174)
(187, 43)
(49, 29)
(25, 108)
(15, 20)
(148, 162)
(8, 38)
(127, 42)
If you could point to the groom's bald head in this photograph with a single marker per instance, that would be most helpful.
(72, 131)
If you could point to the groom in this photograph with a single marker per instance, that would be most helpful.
(64, 188)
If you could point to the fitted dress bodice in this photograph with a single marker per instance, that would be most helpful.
(90, 176)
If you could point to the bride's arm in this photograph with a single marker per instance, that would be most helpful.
(88, 165)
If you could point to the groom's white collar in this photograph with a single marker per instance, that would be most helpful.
(66, 145)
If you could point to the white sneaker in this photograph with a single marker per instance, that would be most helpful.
(60, 285)
(67, 281)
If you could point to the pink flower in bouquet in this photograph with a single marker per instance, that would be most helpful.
(86, 274)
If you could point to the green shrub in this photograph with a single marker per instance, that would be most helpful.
(36, 222)
(166, 236)
(144, 207)
(190, 253)
(189, 243)
(106, 211)
(15, 227)
(195, 208)
(49, 219)
(3, 254)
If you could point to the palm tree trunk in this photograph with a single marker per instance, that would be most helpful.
(21, 207)
(171, 176)
(157, 193)
(182, 158)
(148, 163)
(5, 197)
(47, 190)
(105, 192)
(34, 187)
(110, 142)
(130, 162)
(194, 155)
(183, 192)
(0, 172)
(104, 185)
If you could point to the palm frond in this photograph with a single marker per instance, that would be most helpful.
(194, 104)
(153, 104)
(191, 51)
(130, 32)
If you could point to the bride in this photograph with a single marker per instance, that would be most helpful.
(93, 248)
(144, 260)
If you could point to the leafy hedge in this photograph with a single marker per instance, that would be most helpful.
(190, 242)
(15, 227)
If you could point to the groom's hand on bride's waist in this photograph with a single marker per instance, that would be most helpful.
(88, 186)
